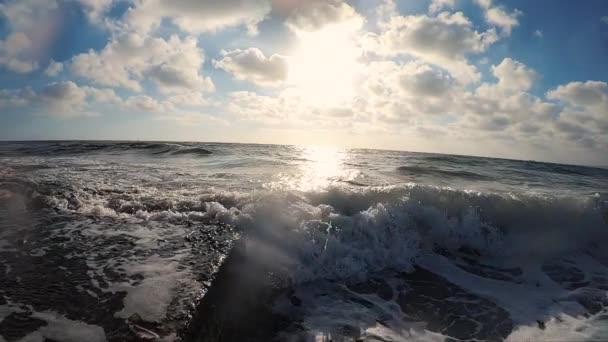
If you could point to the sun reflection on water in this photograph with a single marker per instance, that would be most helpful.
(318, 167)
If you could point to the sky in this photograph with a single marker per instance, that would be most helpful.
(502, 78)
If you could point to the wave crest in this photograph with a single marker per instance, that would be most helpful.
(341, 232)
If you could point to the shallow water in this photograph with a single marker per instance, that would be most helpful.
(467, 247)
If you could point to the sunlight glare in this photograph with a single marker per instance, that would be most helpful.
(324, 66)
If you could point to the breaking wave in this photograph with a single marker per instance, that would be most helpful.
(83, 148)
(342, 232)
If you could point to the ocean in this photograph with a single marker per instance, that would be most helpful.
(130, 241)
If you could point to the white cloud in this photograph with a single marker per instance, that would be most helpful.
(145, 103)
(314, 15)
(513, 75)
(67, 100)
(538, 33)
(173, 64)
(589, 94)
(252, 65)
(54, 68)
(444, 40)
(447, 35)
(32, 28)
(188, 99)
(604, 19)
(438, 5)
(586, 110)
(196, 16)
(499, 16)
(13, 51)
(63, 100)
(95, 9)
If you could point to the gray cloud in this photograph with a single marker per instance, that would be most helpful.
(251, 64)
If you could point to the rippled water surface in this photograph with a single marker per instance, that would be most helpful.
(373, 245)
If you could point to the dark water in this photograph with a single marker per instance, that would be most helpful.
(115, 240)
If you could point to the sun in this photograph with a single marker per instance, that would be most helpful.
(323, 68)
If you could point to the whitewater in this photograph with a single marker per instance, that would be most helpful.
(129, 241)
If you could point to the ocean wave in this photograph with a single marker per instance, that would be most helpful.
(341, 232)
(81, 148)
(193, 150)
(418, 170)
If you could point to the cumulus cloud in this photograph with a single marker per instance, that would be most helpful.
(499, 16)
(196, 16)
(314, 15)
(513, 75)
(173, 64)
(32, 28)
(63, 100)
(13, 51)
(287, 109)
(587, 94)
(145, 103)
(438, 5)
(252, 65)
(53, 69)
(444, 40)
(95, 9)
(68, 100)
(586, 111)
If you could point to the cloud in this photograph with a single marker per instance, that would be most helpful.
(287, 110)
(188, 99)
(252, 65)
(145, 103)
(586, 108)
(13, 51)
(404, 92)
(513, 75)
(15, 97)
(604, 19)
(444, 40)
(53, 69)
(32, 29)
(589, 94)
(438, 5)
(538, 33)
(67, 100)
(95, 9)
(63, 100)
(173, 65)
(499, 16)
(197, 16)
(314, 15)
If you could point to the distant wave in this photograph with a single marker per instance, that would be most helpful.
(194, 150)
(429, 170)
(80, 148)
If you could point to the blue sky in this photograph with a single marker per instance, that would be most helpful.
(507, 78)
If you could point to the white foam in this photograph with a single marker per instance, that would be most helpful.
(62, 329)
(563, 328)
(152, 297)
